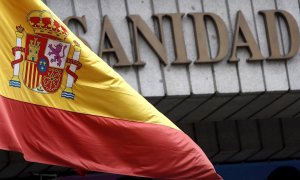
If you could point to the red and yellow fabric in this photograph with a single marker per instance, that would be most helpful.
(103, 126)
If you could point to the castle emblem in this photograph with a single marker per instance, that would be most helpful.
(46, 56)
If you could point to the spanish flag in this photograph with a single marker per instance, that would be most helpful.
(60, 104)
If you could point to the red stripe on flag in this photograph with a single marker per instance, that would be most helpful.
(37, 79)
(34, 75)
(30, 75)
(26, 73)
(81, 141)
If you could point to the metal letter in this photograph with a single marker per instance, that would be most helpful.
(178, 38)
(139, 26)
(109, 33)
(82, 22)
(271, 30)
(202, 41)
(242, 28)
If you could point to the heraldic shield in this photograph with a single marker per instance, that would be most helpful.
(46, 56)
(44, 64)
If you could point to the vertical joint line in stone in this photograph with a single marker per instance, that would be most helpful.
(177, 6)
(74, 14)
(282, 140)
(194, 129)
(259, 138)
(188, 65)
(298, 100)
(156, 31)
(238, 136)
(209, 47)
(105, 43)
(217, 139)
(282, 133)
(101, 18)
(257, 39)
(136, 68)
(208, 99)
(283, 49)
(231, 30)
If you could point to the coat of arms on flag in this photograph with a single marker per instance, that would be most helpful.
(46, 56)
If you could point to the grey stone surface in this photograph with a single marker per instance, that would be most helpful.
(185, 107)
(274, 108)
(274, 72)
(296, 155)
(62, 9)
(187, 129)
(206, 137)
(150, 77)
(16, 165)
(4, 159)
(228, 140)
(225, 74)
(248, 138)
(153, 100)
(289, 111)
(57, 169)
(251, 77)
(176, 77)
(167, 103)
(202, 80)
(254, 106)
(271, 140)
(229, 108)
(297, 115)
(120, 25)
(206, 108)
(91, 12)
(33, 167)
(291, 138)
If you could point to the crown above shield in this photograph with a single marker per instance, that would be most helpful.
(43, 23)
